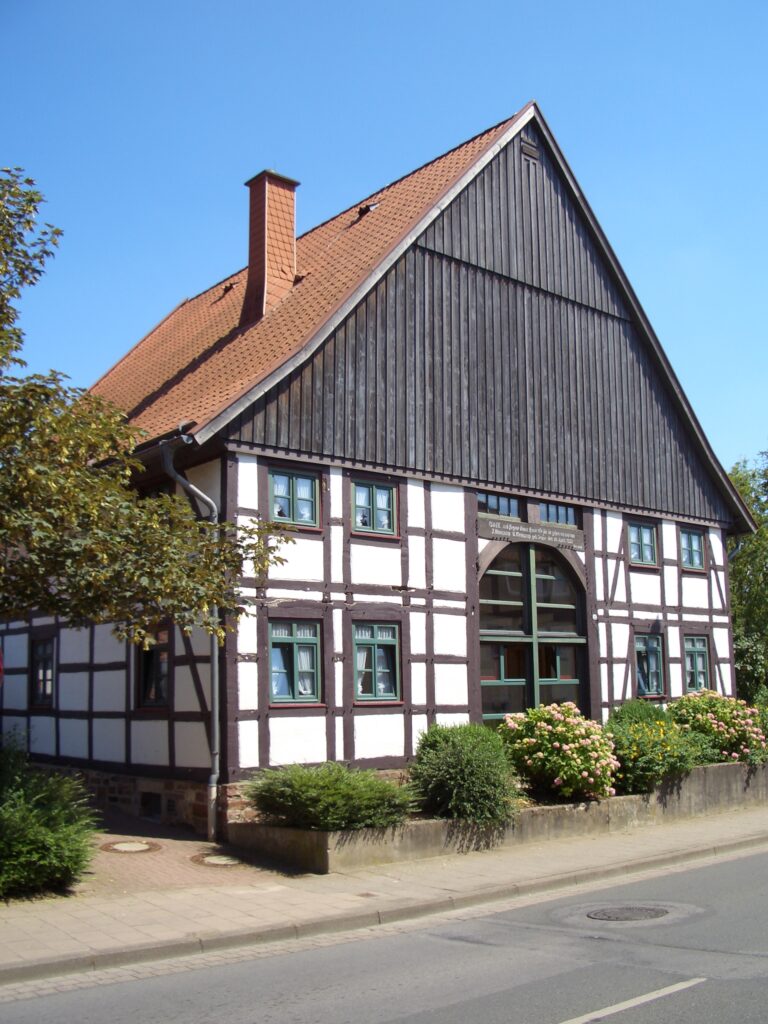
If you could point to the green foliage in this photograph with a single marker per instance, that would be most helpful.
(46, 828)
(76, 540)
(558, 751)
(731, 727)
(749, 581)
(648, 750)
(462, 772)
(329, 797)
(637, 711)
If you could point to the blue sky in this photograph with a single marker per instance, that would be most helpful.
(140, 122)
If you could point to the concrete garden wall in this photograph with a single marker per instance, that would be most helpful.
(707, 790)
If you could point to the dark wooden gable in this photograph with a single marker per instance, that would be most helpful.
(499, 351)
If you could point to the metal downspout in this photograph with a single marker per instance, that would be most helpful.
(167, 449)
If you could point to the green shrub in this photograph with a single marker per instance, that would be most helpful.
(558, 751)
(462, 772)
(46, 828)
(637, 711)
(329, 797)
(648, 751)
(731, 727)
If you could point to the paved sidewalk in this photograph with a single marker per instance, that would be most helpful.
(166, 901)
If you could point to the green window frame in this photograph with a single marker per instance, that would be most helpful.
(375, 507)
(642, 544)
(649, 662)
(42, 674)
(498, 505)
(376, 664)
(696, 663)
(692, 549)
(294, 662)
(293, 497)
(152, 688)
(559, 515)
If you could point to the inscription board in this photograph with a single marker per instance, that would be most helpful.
(493, 528)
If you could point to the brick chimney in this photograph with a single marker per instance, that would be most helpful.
(271, 244)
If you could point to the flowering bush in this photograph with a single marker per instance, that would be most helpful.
(554, 748)
(648, 751)
(731, 723)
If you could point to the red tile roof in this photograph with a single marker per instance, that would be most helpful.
(197, 362)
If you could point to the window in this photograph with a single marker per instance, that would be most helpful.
(294, 658)
(692, 549)
(650, 671)
(376, 674)
(498, 505)
(42, 668)
(153, 672)
(293, 497)
(642, 544)
(374, 508)
(696, 663)
(562, 515)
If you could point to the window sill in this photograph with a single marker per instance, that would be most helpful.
(290, 705)
(378, 703)
(688, 570)
(644, 567)
(296, 527)
(373, 535)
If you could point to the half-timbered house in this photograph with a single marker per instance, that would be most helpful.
(499, 494)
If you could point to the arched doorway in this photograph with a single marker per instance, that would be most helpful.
(532, 632)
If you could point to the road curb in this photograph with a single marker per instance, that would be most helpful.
(214, 942)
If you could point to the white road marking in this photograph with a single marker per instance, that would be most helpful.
(649, 997)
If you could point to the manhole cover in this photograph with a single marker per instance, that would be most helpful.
(627, 913)
(220, 860)
(130, 846)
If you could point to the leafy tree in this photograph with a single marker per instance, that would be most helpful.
(76, 538)
(749, 582)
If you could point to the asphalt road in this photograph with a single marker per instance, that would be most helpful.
(695, 950)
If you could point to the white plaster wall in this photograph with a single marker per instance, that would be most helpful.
(248, 685)
(717, 601)
(597, 530)
(379, 736)
(198, 640)
(451, 684)
(668, 535)
(620, 640)
(620, 681)
(415, 494)
(338, 681)
(336, 494)
(337, 554)
(673, 642)
(447, 603)
(447, 508)
(15, 692)
(73, 737)
(73, 691)
(361, 595)
(676, 680)
(604, 684)
(106, 646)
(449, 571)
(297, 740)
(304, 560)
(726, 677)
(602, 640)
(184, 693)
(418, 628)
(418, 682)
(108, 739)
(248, 744)
(451, 719)
(721, 641)
(616, 572)
(247, 482)
(338, 630)
(73, 646)
(341, 754)
(207, 478)
(645, 588)
(671, 584)
(375, 565)
(718, 552)
(15, 650)
(417, 572)
(191, 745)
(16, 727)
(614, 524)
(419, 725)
(599, 577)
(450, 635)
(695, 592)
(149, 743)
(42, 735)
(246, 634)
(109, 691)
(287, 594)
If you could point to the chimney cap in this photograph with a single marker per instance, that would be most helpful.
(291, 182)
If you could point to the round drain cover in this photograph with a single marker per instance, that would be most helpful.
(627, 913)
(219, 860)
(130, 846)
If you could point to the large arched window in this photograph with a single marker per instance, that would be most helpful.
(532, 638)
